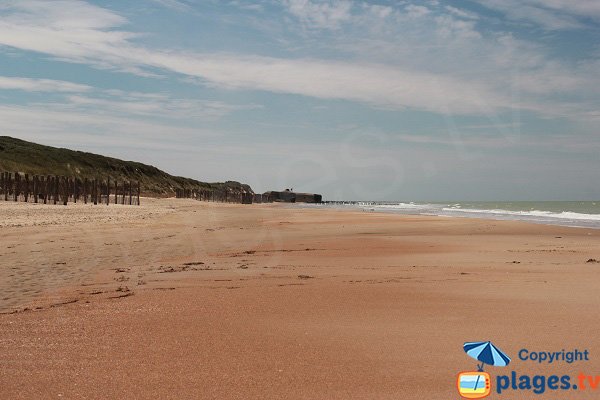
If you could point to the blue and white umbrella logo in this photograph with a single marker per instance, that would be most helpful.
(487, 353)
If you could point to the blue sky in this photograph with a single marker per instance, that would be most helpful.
(381, 100)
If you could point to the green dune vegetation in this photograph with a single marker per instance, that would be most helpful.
(31, 158)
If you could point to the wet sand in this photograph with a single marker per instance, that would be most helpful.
(180, 299)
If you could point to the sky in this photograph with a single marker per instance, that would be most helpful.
(357, 100)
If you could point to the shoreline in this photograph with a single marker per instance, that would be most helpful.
(179, 298)
(49, 210)
(539, 215)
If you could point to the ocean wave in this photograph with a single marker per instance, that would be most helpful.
(406, 206)
(466, 210)
(533, 213)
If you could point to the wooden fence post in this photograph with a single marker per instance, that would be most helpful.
(5, 185)
(42, 184)
(26, 188)
(95, 191)
(55, 189)
(17, 186)
(65, 190)
(86, 188)
(36, 188)
(46, 189)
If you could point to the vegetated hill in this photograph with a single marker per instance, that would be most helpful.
(31, 158)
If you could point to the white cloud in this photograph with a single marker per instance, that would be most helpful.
(549, 14)
(152, 105)
(417, 11)
(40, 85)
(423, 59)
(243, 5)
(173, 4)
(49, 124)
(378, 85)
(66, 29)
(461, 13)
(61, 14)
(319, 14)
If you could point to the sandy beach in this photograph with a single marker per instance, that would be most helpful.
(180, 299)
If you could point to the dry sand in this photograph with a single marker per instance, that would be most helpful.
(179, 299)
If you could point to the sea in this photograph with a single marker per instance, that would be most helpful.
(566, 213)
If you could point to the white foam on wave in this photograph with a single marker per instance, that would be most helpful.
(534, 213)
(406, 206)
(564, 218)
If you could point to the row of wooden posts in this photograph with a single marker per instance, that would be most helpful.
(54, 189)
(221, 196)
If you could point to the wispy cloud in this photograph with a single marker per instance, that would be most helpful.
(328, 14)
(40, 85)
(461, 13)
(550, 14)
(51, 125)
(404, 74)
(153, 105)
(378, 85)
(96, 41)
(173, 4)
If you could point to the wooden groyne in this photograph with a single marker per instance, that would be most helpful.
(55, 189)
(216, 195)
(228, 196)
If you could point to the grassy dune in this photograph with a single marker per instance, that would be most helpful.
(26, 157)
